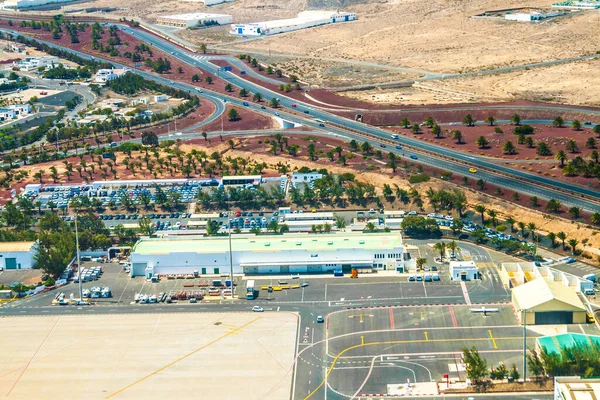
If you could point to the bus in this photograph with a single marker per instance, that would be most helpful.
(250, 292)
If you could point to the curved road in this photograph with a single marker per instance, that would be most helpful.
(430, 154)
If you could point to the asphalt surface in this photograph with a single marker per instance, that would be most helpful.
(427, 153)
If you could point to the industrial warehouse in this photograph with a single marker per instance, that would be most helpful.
(193, 20)
(252, 254)
(305, 19)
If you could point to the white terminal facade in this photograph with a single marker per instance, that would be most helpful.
(30, 3)
(306, 19)
(192, 20)
(264, 254)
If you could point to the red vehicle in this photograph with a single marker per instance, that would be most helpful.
(293, 104)
(238, 213)
(43, 93)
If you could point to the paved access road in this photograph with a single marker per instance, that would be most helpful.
(440, 157)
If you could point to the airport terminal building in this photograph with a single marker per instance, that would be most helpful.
(264, 254)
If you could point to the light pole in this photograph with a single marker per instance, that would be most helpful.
(231, 263)
(78, 260)
(524, 318)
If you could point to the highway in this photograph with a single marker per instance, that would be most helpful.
(430, 154)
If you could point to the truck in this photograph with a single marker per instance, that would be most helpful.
(250, 292)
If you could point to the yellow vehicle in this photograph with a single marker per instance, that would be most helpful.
(276, 288)
(264, 288)
(295, 286)
(590, 318)
(472, 170)
(285, 287)
(354, 274)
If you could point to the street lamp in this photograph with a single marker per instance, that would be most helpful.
(524, 320)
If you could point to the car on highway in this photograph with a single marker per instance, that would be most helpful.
(320, 319)
(258, 309)
(277, 114)
(306, 112)
(414, 157)
(304, 284)
(472, 170)
(322, 125)
(245, 103)
(263, 107)
(399, 147)
(382, 145)
(293, 104)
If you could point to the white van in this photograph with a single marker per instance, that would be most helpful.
(589, 292)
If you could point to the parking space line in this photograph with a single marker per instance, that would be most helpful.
(392, 324)
(491, 337)
(453, 317)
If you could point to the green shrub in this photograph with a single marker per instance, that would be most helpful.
(418, 178)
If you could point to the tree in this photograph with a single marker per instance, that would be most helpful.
(481, 184)
(441, 249)
(573, 245)
(179, 70)
(572, 146)
(149, 139)
(476, 366)
(576, 125)
(534, 201)
(529, 142)
(370, 227)
(205, 135)
(515, 119)
(543, 149)
(493, 217)
(243, 92)
(457, 135)
(257, 97)
(421, 262)
(195, 78)
(340, 222)
(553, 205)
(311, 151)
(575, 212)
(490, 120)
(596, 130)
(209, 80)
(480, 208)
(482, 142)
(437, 131)
(561, 156)
(562, 237)
(590, 143)
(558, 122)
(145, 226)
(418, 226)
(405, 122)
(415, 129)
(274, 102)
(229, 87)
(509, 148)
(203, 48)
(233, 114)
(469, 120)
(595, 218)
(429, 122)
(552, 238)
(535, 364)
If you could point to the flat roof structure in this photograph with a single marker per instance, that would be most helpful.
(555, 343)
(576, 388)
(16, 247)
(540, 291)
(252, 243)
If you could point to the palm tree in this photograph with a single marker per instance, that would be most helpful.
(457, 135)
(437, 131)
(510, 221)
(562, 237)
(415, 129)
(576, 125)
(509, 148)
(561, 156)
(552, 237)
(480, 208)
(482, 142)
(493, 217)
(452, 246)
(521, 226)
(441, 248)
(405, 123)
(490, 120)
(558, 122)
(516, 119)
(205, 135)
(370, 227)
(573, 244)
(469, 120)
(572, 146)
(531, 226)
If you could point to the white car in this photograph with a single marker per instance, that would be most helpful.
(431, 215)
(258, 309)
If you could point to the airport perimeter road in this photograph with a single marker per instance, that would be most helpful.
(439, 157)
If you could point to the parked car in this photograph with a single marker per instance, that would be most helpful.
(258, 309)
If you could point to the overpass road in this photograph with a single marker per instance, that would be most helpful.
(343, 128)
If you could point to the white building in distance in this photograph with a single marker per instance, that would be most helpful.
(289, 253)
(107, 75)
(33, 63)
(531, 16)
(306, 19)
(17, 255)
(192, 20)
(30, 3)
(463, 270)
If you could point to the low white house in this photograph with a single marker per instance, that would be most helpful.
(160, 97)
(6, 114)
(463, 270)
(20, 109)
(17, 255)
(107, 75)
(33, 63)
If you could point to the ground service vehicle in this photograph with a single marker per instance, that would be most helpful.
(250, 291)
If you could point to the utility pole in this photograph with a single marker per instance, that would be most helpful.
(231, 263)
(524, 345)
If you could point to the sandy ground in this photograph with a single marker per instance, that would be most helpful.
(148, 356)
(567, 83)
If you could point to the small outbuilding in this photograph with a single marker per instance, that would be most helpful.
(463, 270)
(17, 255)
(547, 302)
